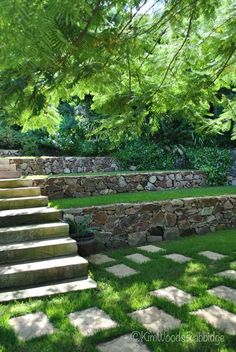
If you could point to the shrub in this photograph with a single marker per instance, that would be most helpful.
(145, 156)
(214, 161)
(9, 137)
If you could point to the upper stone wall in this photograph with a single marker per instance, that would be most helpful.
(9, 152)
(56, 165)
(80, 186)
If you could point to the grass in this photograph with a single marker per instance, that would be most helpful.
(141, 197)
(108, 173)
(119, 297)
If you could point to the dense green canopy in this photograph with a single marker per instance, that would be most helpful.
(137, 65)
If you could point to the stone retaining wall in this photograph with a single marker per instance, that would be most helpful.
(56, 165)
(61, 187)
(9, 152)
(144, 222)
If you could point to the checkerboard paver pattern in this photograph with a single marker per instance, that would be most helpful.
(32, 325)
(91, 320)
(121, 270)
(178, 258)
(212, 255)
(174, 295)
(138, 258)
(155, 320)
(219, 318)
(125, 343)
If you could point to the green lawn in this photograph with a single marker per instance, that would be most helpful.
(141, 197)
(119, 297)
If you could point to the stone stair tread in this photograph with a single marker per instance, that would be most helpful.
(9, 174)
(32, 227)
(36, 244)
(48, 290)
(15, 182)
(23, 202)
(4, 161)
(22, 199)
(19, 192)
(28, 211)
(33, 266)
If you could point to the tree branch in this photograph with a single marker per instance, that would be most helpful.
(223, 67)
(180, 48)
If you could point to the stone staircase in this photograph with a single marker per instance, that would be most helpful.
(37, 256)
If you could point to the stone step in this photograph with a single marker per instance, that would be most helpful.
(42, 272)
(9, 167)
(15, 183)
(48, 290)
(19, 192)
(9, 174)
(4, 161)
(37, 250)
(33, 232)
(29, 216)
(23, 202)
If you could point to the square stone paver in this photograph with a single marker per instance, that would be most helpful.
(228, 274)
(99, 259)
(121, 270)
(219, 318)
(174, 295)
(155, 320)
(178, 258)
(138, 258)
(212, 255)
(227, 293)
(125, 343)
(91, 320)
(150, 248)
(32, 325)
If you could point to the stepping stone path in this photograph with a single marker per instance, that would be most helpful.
(178, 258)
(155, 320)
(150, 248)
(138, 258)
(35, 247)
(228, 274)
(174, 295)
(30, 326)
(212, 255)
(121, 270)
(91, 320)
(227, 293)
(99, 259)
(125, 343)
(219, 318)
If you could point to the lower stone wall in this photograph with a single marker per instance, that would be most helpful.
(144, 222)
(56, 165)
(62, 187)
